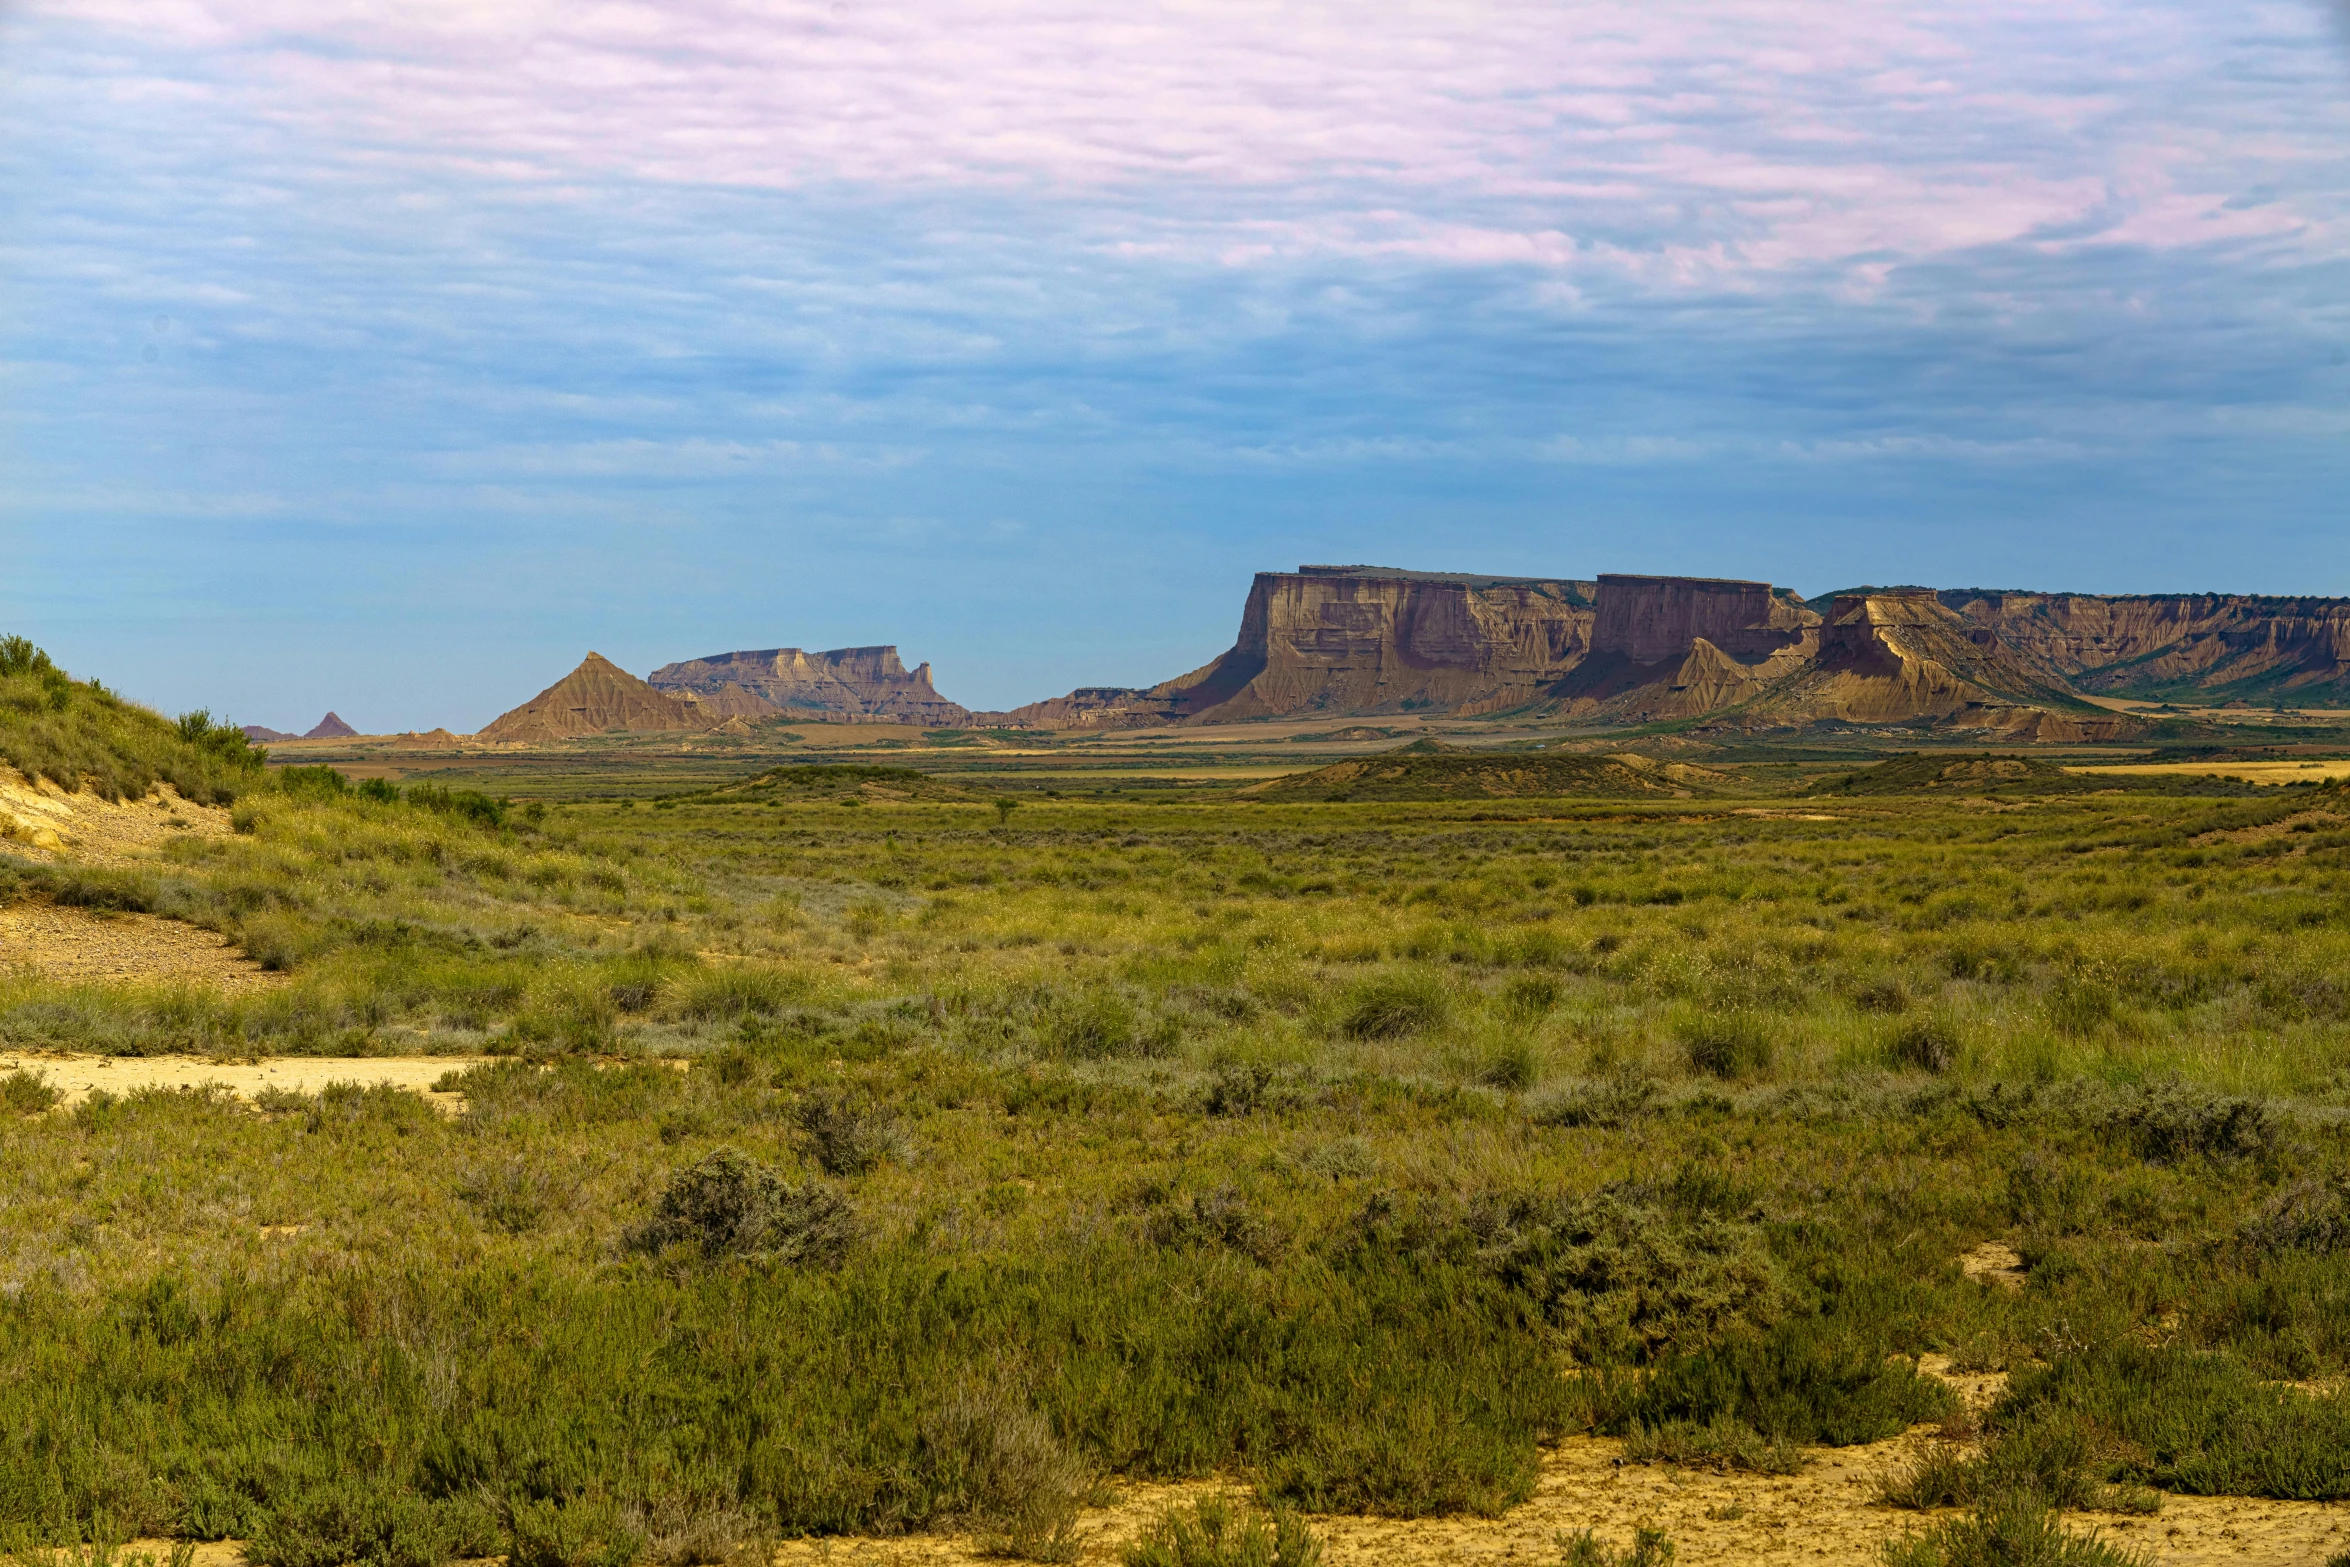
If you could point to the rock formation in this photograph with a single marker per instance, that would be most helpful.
(1900, 655)
(331, 727)
(1368, 639)
(1676, 647)
(261, 734)
(845, 685)
(2197, 647)
(596, 698)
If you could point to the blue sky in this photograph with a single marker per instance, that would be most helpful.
(389, 358)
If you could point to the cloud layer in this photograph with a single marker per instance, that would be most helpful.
(989, 306)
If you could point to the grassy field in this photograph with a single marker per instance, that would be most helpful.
(864, 1166)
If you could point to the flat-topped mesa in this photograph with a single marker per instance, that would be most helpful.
(599, 697)
(842, 685)
(1369, 639)
(2195, 647)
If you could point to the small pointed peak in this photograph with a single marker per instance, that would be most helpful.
(331, 727)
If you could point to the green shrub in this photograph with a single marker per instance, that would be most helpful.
(1584, 1548)
(1390, 1006)
(1218, 1533)
(2310, 1214)
(1721, 1444)
(352, 1523)
(846, 1136)
(2015, 1533)
(578, 1532)
(1806, 1380)
(26, 1092)
(730, 1205)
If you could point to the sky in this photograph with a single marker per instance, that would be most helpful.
(390, 356)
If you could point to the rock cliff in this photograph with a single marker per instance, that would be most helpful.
(1368, 639)
(1676, 647)
(2197, 647)
(1901, 655)
(844, 685)
(596, 698)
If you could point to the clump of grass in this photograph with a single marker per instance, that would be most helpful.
(1391, 1006)
(728, 1204)
(1214, 1532)
(1584, 1548)
(1610, 1101)
(1514, 1065)
(2017, 1532)
(1925, 1044)
(1729, 1045)
(26, 1092)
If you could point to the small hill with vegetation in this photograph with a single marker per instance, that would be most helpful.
(821, 782)
(1424, 771)
(79, 735)
(1991, 774)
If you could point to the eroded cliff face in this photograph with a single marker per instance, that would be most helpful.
(596, 698)
(1897, 656)
(1677, 647)
(1358, 639)
(844, 685)
(2197, 646)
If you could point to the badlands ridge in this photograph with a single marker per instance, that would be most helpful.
(1615, 650)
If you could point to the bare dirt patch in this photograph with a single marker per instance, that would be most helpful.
(42, 822)
(1827, 1513)
(85, 946)
(1994, 1262)
(74, 1076)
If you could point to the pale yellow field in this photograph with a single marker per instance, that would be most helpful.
(2250, 772)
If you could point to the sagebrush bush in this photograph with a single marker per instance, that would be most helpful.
(2014, 1533)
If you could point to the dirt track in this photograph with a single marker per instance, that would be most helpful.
(79, 946)
(74, 1076)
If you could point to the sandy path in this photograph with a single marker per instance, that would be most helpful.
(75, 1076)
(82, 946)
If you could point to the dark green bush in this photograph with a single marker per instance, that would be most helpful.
(730, 1205)
(2014, 1533)
(353, 1523)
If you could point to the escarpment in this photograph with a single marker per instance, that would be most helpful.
(1366, 639)
(2201, 647)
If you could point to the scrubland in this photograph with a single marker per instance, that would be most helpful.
(867, 1169)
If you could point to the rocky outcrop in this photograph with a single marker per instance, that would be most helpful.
(1677, 647)
(1900, 655)
(2198, 647)
(599, 697)
(844, 685)
(1368, 639)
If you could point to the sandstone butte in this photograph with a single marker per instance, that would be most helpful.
(1344, 640)
(596, 698)
(850, 684)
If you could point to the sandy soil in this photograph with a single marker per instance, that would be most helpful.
(75, 1076)
(83, 946)
(1827, 1513)
(42, 822)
